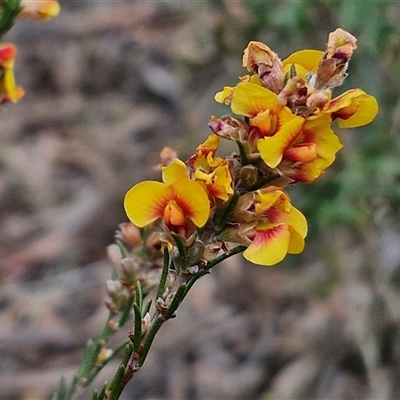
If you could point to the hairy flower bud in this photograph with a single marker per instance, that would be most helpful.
(249, 175)
(259, 58)
(333, 65)
(229, 127)
(129, 234)
(244, 210)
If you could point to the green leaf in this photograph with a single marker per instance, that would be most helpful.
(126, 312)
(95, 395)
(115, 385)
(138, 295)
(102, 392)
(183, 259)
(137, 328)
(86, 363)
(164, 273)
(146, 309)
(8, 12)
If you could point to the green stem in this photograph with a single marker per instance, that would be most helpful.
(242, 152)
(153, 331)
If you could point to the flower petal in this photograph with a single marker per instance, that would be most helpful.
(298, 222)
(270, 245)
(218, 183)
(353, 108)
(305, 153)
(308, 60)
(306, 173)
(296, 243)
(192, 199)
(146, 201)
(249, 99)
(225, 95)
(271, 148)
(174, 171)
(317, 129)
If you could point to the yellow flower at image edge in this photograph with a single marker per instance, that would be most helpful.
(40, 9)
(8, 90)
(174, 200)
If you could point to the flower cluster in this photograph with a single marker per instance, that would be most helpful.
(10, 9)
(282, 120)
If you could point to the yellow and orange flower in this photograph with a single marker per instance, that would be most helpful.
(8, 90)
(217, 182)
(177, 200)
(205, 153)
(269, 225)
(282, 231)
(39, 9)
(211, 172)
(297, 138)
(262, 106)
(310, 150)
(283, 126)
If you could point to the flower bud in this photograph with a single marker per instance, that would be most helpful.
(212, 250)
(259, 58)
(113, 287)
(103, 356)
(146, 322)
(114, 254)
(249, 175)
(244, 210)
(333, 65)
(129, 234)
(229, 127)
(171, 277)
(167, 155)
(129, 267)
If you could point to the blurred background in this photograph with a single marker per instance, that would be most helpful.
(108, 84)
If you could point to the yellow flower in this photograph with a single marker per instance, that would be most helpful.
(305, 61)
(326, 70)
(281, 228)
(39, 9)
(175, 200)
(8, 90)
(204, 153)
(210, 171)
(218, 182)
(262, 106)
(309, 150)
(353, 108)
